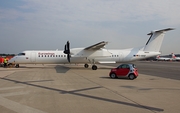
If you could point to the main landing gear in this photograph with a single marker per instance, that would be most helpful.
(94, 67)
(17, 66)
(86, 65)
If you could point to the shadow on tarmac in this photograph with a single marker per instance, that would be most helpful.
(120, 78)
(134, 87)
(75, 92)
(61, 69)
(38, 81)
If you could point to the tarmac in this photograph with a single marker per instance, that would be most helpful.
(74, 89)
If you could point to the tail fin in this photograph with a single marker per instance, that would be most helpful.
(155, 40)
(173, 55)
(157, 57)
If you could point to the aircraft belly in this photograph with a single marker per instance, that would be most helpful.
(51, 61)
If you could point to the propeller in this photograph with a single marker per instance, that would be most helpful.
(67, 51)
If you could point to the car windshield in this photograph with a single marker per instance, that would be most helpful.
(21, 54)
(123, 66)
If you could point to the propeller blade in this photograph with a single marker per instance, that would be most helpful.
(68, 57)
(67, 51)
(68, 44)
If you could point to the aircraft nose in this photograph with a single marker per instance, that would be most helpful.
(11, 60)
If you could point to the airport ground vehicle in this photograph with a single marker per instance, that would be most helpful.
(124, 70)
(1, 61)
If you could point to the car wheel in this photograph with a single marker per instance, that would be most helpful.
(113, 75)
(132, 77)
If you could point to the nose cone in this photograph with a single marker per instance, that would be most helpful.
(11, 60)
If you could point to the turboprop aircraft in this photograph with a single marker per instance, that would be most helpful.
(94, 54)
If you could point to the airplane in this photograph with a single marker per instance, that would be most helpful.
(175, 58)
(95, 54)
(159, 58)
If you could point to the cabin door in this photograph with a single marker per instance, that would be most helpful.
(33, 57)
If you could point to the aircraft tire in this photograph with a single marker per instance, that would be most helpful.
(86, 65)
(94, 67)
(17, 66)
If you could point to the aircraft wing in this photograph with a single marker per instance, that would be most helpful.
(96, 46)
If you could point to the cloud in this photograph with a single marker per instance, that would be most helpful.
(99, 10)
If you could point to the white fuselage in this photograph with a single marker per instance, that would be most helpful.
(93, 54)
(81, 56)
(176, 58)
(163, 59)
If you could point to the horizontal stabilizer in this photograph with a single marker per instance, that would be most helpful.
(162, 30)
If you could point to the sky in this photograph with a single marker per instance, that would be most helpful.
(49, 24)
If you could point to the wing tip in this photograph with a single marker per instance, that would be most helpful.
(96, 46)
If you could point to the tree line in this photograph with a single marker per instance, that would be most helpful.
(7, 54)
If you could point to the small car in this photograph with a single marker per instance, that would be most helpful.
(124, 70)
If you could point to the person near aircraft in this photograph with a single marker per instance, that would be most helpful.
(5, 62)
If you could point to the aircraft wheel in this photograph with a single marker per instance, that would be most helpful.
(9, 65)
(94, 67)
(131, 76)
(86, 65)
(17, 66)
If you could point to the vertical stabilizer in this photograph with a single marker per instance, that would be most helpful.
(155, 40)
(173, 55)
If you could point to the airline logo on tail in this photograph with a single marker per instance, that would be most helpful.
(173, 56)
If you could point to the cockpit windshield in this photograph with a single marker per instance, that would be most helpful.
(21, 54)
